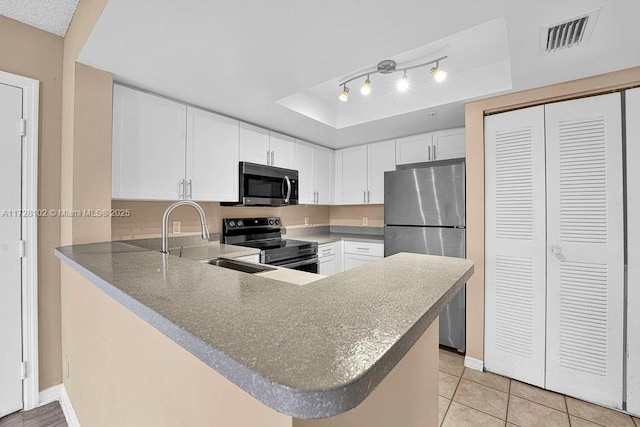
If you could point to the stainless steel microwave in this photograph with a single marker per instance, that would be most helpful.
(262, 185)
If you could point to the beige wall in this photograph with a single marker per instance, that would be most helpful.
(29, 52)
(352, 215)
(146, 217)
(120, 371)
(474, 123)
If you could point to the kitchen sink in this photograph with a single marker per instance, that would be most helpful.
(245, 267)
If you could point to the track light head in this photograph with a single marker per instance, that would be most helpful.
(366, 87)
(344, 96)
(438, 73)
(403, 83)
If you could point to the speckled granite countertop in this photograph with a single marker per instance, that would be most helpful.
(334, 237)
(309, 351)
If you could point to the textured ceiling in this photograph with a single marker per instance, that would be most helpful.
(52, 16)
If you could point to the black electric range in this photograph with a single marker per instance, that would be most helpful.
(266, 234)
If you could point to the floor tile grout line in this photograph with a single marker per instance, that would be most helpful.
(478, 410)
(486, 385)
(542, 404)
(506, 416)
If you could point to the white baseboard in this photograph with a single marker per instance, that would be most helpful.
(52, 394)
(67, 408)
(475, 364)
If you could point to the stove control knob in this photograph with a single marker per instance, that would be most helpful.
(240, 224)
(277, 221)
(272, 221)
(232, 224)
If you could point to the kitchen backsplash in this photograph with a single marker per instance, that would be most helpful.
(146, 217)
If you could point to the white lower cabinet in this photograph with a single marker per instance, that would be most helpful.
(555, 247)
(360, 253)
(330, 258)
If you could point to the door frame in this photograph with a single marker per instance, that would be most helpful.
(30, 112)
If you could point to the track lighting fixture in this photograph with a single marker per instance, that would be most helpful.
(344, 96)
(389, 66)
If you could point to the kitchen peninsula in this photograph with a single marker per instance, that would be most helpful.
(364, 339)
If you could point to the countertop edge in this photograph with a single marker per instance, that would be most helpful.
(299, 403)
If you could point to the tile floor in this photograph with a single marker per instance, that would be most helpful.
(45, 416)
(470, 398)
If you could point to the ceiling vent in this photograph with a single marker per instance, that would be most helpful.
(568, 33)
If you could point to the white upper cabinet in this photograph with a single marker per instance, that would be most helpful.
(282, 150)
(315, 173)
(363, 169)
(381, 158)
(354, 175)
(427, 147)
(254, 145)
(148, 146)
(449, 144)
(263, 147)
(303, 160)
(414, 149)
(212, 157)
(323, 175)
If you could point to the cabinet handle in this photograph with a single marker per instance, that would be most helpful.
(368, 196)
(434, 152)
(364, 196)
(317, 197)
(362, 249)
(272, 158)
(181, 189)
(268, 158)
(429, 150)
(190, 184)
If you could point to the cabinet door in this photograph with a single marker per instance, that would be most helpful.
(323, 175)
(449, 144)
(212, 156)
(326, 265)
(282, 150)
(382, 158)
(633, 243)
(585, 268)
(515, 257)
(254, 145)
(337, 177)
(148, 146)
(414, 149)
(354, 175)
(304, 164)
(353, 261)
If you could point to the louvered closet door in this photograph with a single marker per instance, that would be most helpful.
(585, 268)
(515, 245)
(633, 242)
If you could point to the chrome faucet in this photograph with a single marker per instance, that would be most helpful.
(165, 222)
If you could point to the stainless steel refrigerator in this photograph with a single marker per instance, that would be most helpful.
(424, 212)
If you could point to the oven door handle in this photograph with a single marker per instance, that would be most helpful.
(286, 198)
(313, 260)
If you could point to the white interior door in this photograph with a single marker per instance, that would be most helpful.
(585, 268)
(633, 247)
(515, 245)
(10, 263)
